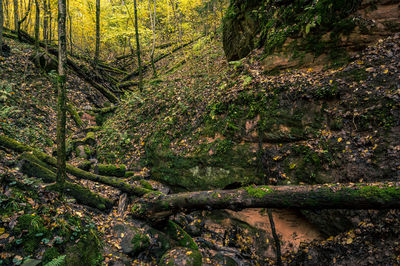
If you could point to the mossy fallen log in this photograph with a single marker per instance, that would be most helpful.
(12, 144)
(110, 170)
(81, 71)
(74, 115)
(33, 167)
(156, 207)
(104, 110)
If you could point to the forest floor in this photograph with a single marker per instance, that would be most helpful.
(36, 225)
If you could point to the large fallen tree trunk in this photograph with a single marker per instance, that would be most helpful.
(33, 167)
(14, 145)
(155, 207)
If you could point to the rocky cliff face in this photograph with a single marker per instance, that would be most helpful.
(303, 33)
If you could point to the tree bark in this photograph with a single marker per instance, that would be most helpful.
(45, 23)
(37, 26)
(14, 145)
(61, 97)
(330, 196)
(16, 15)
(153, 28)
(1, 27)
(32, 166)
(19, 22)
(97, 52)
(138, 48)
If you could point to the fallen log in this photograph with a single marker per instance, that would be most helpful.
(33, 167)
(79, 70)
(14, 145)
(74, 115)
(156, 207)
(158, 58)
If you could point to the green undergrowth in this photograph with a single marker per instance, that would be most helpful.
(47, 228)
(14, 120)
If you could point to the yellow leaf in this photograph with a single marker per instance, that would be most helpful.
(189, 252)
(339, 140)
(276, 158)
(349, 241)
(386, 71)
(3, 236)
(2, 230)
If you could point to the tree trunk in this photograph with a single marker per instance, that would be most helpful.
(153, 28)
(50, 30)
(70, 28)
(97, 52)
(1, 27)
(19, 22)
(37, 26)
(45, 23)
(16, 16)
(61, 97)
(331, 196)
(138, 48)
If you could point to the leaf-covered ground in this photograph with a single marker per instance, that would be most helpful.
(299, 126)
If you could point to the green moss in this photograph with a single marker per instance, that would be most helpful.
(89, 151)
(34, 226)
(50, 254)
(183, 239)
(86, 252)
(384, 193)
(146, 184)
(258, 192)
(140, 242)
(138, 210)
(129, 174)
(85, 165)
(111, 170)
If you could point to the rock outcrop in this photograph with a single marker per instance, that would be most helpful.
(294, 34)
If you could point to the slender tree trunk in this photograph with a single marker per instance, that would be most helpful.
(6, 17)
(16, 16)
(61, 98)
(70, 27)
(50, 33)
(24, 17)
(1, 27)
(138, 48)
(97, 52)
(37, 26)
(45, 23)
(153, 28)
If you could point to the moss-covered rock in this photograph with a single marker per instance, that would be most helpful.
(178, 234)
(181, 256)
(86, 252)
(298, 33)
(134, 241)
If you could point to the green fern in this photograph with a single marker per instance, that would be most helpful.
(60, 260)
